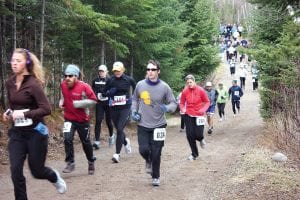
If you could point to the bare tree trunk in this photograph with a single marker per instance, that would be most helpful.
(42, 32)
(15, 27)
(102, 53)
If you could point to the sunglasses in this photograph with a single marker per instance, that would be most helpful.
(69, 76)
(152, 69)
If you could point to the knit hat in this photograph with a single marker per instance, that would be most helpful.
(72, 70)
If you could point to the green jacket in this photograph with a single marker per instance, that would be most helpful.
(223, 95)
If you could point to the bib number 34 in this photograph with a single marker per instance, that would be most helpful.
(159, 134)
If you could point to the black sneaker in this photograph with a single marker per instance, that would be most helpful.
(91, 169)
(209, 131)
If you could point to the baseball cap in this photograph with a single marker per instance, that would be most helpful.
(208, 84)
(118, 66)
(102, 68)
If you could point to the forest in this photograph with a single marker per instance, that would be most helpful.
(181, 34)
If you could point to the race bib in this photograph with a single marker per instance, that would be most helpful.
(236, 93)
(101, 98)
(23, 121)
(159, 134)
(67, 127)
(119, 100)
(253, 80)
(200, 121)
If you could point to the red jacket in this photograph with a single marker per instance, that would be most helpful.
(195, 101)
(81, 90)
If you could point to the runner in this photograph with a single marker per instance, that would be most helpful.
(212, 95)
(28, 136)
(102, 107)
(222, 100)
(182, 126)
(118, 90)
(77, 96)
(243, 74)
(236, 93)
(152, 98)
(194, 103)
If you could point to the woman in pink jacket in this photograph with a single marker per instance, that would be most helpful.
(194, 103)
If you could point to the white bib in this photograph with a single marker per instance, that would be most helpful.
(236, 93)
(23, 121)
(159, 134)
(200, 121)
(67, 127)
(119, 100)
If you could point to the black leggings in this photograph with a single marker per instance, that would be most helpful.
(120, 118)
(221, 108)
(235, 104)
(100, 110)
(28, 143)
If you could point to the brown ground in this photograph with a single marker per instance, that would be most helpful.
(233, 166)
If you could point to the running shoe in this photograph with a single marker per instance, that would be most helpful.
(127, 146)
(221, 119)
(148, 167)
(202, 144)
(116, 158)
(69, 168)
(209, 131)
(112, 140)
(96, 145)
(60, 184)
(191, 157)
(91, 168)
(155, 182)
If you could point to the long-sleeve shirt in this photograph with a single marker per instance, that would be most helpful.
(121, 97)
(98, 86)
(80, 91)
(235, 92)
(30, 96)
(147, 99)
(195, 100)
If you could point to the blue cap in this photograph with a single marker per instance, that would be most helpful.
(72, 70)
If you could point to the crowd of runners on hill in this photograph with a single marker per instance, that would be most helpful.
(111, 97)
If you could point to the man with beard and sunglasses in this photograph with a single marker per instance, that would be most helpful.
(77, 97)
(152, 98)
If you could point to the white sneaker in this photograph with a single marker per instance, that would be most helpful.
(191, 157)
(116, 158)
(155, 182)
(220, 119)
(60, 184)
(112, 140)
(202, 144)
(127, 146)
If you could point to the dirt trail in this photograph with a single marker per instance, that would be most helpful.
(180, 179)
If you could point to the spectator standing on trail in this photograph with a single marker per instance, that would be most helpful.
(28, 136)
(102, 107)
(236, 93)
(118, 90)
(212, 96)
(152, 98)
(77, 97)
(194, 103)
(222, 100)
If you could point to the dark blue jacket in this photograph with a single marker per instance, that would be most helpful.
(235, 92)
